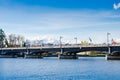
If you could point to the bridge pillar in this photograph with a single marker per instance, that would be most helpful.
(14, 55)
(24, 55)
(61, 51)
(112, 55)
(109, 50)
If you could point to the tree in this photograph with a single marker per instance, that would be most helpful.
(2, 38)
(16, 40)
(20, 40)
(12, 40)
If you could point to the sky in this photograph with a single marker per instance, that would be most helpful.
(50, 19)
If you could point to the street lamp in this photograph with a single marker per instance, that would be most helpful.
(27, 46)
(108, 42)
(61, 41)
(108, 39)
(75, 39)
(61, 44)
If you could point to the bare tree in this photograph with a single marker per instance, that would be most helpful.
(15, 40)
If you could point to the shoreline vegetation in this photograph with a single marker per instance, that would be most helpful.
(96, 55)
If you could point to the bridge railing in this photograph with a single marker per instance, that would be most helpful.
(76, 45)
(79, 45)
(66, 46)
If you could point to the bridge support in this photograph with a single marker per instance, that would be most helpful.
(8, 56)
(24, 55)
(113, 56)
(61, 51)
(68, 56)
(14, 56)
(33, 55)
(109, 50)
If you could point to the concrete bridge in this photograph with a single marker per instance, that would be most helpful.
(72, 49)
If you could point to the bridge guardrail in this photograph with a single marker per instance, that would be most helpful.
(65, 46)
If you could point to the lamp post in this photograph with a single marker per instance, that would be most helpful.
(75, 39)
(61, 44)
(108, 42)
(61, 41)
(108, 38)
(27, 46)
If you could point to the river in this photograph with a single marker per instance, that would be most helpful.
(84, 68)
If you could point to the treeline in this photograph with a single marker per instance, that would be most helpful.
(15, 40)
(11, 40)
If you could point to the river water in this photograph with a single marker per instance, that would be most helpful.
(84, 68)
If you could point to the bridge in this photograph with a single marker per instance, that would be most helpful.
(62, 50)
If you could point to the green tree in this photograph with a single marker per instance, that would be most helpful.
(2, 38)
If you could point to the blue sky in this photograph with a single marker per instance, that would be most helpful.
(50, 19)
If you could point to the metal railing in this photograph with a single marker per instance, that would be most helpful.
(64, 46)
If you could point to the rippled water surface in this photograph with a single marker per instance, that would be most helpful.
(85, 68)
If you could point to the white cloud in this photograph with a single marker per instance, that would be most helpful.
(116, 6)
(51, 25)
